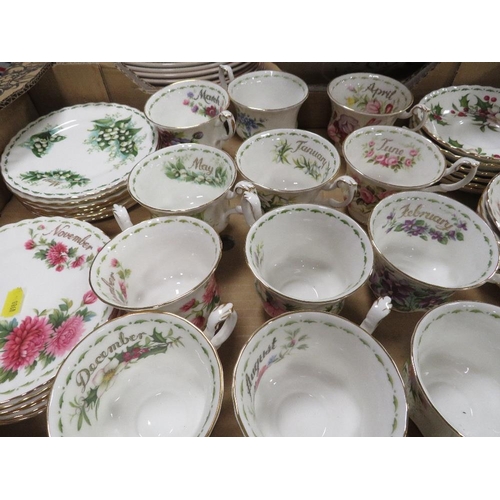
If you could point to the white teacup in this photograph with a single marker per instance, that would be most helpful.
(315, 374)
(166, 264)
(288, 166)
(453, 375)
(191, 111)
(265, 100)
(427, 247)
(307, 256)
(363, 99)
(190, 179)
(384, 159)
(149, 374)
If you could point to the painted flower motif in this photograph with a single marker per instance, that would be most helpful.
(57, 254)
(211, 111)
(199, 322)
(367, 196)
(78, 262)
(29, 245)
(210, 292)
(188, 305)
(89, 297)
(26, 342)
(340, 127)
(106, 376)
(135, 353)
(373, 107)
(66, 336)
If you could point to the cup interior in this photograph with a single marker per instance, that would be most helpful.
(394, 156)
(181, 178)
(287, 160)
(145, 374)
(309, 253)
(268, 90)
(370, 94)
(316, 374)
(434, 239)
(187, 103)
(455, 351)
(155, 262)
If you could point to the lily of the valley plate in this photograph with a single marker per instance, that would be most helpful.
(77, 152)
(46, 303)
(466, 120)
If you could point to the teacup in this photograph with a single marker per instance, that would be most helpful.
(165, 264)
(307, 257)
(265, 100)
(363, 99)
(427, 247)
(147, 374)
(315, 374)
(191, 111)
(288, 166)
(385, 159)
(453, 377)
(189, 179)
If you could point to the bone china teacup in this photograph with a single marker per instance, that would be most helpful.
(453, 376)
(190, 179)
(307, 256)
(384, 159)
(363, 99)
(315, 374)
(167, 264)
(288, 166)
(265, 100)
(191, 111)
(148, 374)
(427, 247)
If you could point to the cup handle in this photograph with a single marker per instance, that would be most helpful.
(414, 115)
(250, 205)
(225, 75)
(122, 217)
(378, 311)
(217, 333)
(348, 186)
(462, 182)
(227, 122)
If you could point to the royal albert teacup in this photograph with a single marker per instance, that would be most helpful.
(306, 256)
(427, 247)
(148, 374)
(190, 179)
(165, 264)
(363, 99)
(191, 111)
(453, 375)
(288, 166)
(385, 159)
(265, 100)
(316, 374)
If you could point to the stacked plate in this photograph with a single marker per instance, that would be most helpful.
(161, 74)
(465, 121)
(46, 306)
(489, 205)
(75, 162)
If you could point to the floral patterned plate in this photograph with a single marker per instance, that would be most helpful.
(466, 120)
(46, 303)
(492, 201)
(77, 151)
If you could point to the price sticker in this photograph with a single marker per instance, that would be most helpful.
(13, 303)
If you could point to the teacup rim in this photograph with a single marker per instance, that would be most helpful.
(320, 314)
(131, 317)
(295, 78)
(184, 146)
(159, 93)
(401, 86)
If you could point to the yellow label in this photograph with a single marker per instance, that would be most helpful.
(13, 302)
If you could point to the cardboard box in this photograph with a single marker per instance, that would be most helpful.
(57, 85)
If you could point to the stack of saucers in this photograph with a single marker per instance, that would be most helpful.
(46, 306)
(75, 162)
(161, 74)
(464, 121)
(489, 205)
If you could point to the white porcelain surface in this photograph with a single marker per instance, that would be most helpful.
(146, 374)
(305, 256)
(48, 259)
(466, 120)
(455, 385)
(318, 375)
